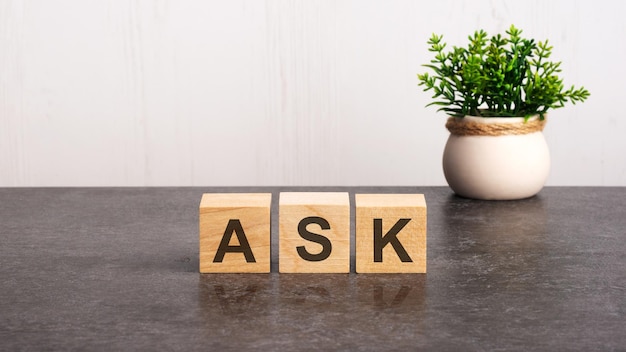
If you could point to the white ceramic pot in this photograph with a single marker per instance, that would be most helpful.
(496, 167)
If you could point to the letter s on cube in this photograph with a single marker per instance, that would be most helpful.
(314, 232)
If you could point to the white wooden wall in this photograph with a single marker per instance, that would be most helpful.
(302, 92)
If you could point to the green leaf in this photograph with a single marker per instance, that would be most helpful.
(511, 76)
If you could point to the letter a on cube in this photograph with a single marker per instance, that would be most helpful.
(390, 233)
(235, 232)
(314, 232)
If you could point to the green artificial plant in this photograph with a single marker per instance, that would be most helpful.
(497, 77)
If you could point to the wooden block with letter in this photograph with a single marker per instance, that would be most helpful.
(314, 232)
(235, 232)
(390, 233)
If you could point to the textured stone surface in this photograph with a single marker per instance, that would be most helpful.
(117, 269)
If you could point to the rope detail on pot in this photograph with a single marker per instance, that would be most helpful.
(462, 127)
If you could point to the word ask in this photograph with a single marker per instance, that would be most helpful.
(314, 233)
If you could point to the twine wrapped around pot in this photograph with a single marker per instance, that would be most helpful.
(463, 127)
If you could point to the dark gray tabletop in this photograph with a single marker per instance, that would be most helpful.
(117, 269)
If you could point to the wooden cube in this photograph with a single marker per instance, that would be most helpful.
(314, 232)
(235, 232)
(390, 233)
